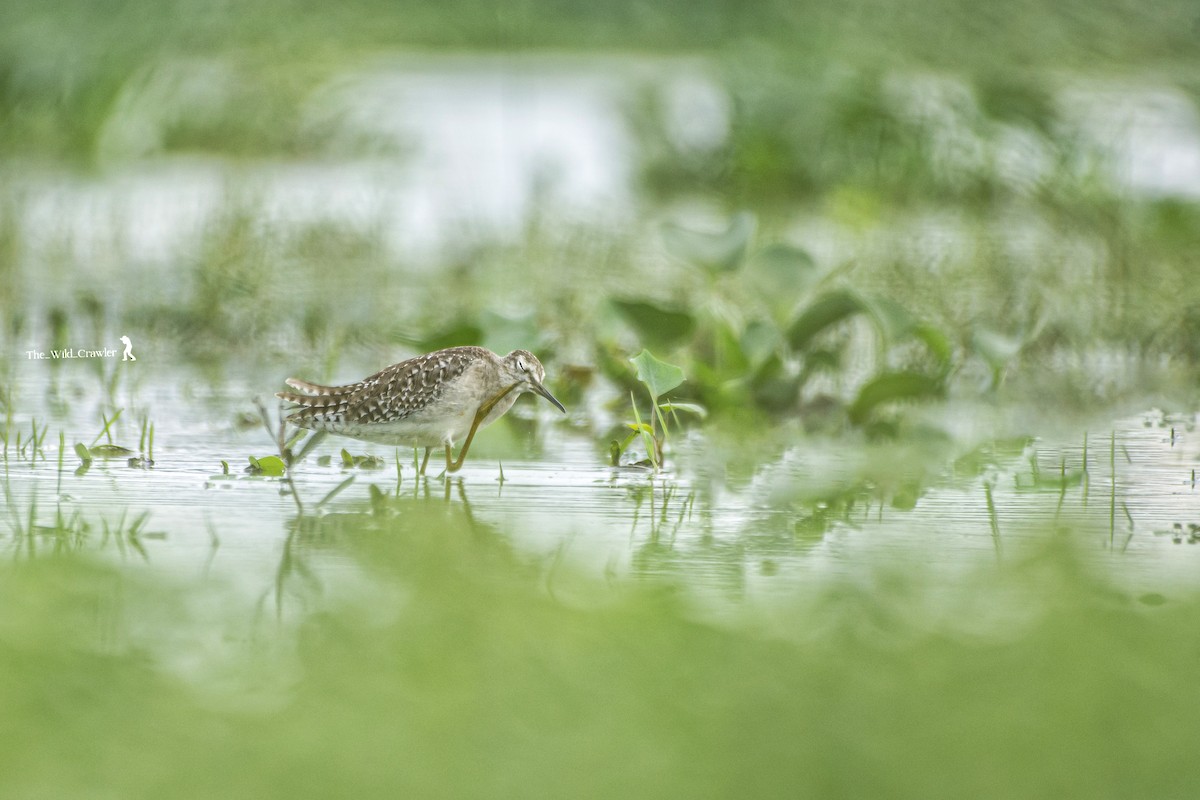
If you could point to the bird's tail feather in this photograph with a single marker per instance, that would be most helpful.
(318, 402)
(317, 389)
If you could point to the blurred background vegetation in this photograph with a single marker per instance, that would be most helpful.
(958, 161)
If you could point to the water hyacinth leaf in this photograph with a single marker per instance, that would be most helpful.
(716, 252)
(659, 325)
(659, 376)
(823, 313)
(892, 387)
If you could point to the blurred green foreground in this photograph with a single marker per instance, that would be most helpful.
(465, 670)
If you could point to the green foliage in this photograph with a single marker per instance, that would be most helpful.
(658, 376)
(821, 314)
(658, 325)
(715, 252)
(110, 451)
(996, 350)
(772, 321)
(895, 662)
(361, 462)
(267, 466)
(891, 387)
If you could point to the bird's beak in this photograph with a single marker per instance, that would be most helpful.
(544, 392)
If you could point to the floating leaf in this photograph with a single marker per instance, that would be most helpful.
(109, 451)
(659, 325)
(271, 466)
(82, 451)
(368, 462)
(715, 252)
(362, 462)
(823, 313)
(893, 386)
(659, 376)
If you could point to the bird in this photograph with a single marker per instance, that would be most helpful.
(435, 400)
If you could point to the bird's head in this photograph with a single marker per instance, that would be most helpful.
(528, 373)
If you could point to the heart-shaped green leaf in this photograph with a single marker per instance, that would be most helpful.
(659, 376)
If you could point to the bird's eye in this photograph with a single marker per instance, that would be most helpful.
(520, 363)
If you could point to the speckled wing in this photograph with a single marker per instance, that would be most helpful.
(391, 394)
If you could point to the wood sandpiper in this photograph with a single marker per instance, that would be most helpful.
(433, 400)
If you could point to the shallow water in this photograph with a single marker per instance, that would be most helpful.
(782, 531)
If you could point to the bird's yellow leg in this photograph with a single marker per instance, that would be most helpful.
(480, 415)
(425, 461)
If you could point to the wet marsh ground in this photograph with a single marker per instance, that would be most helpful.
(926, 521)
